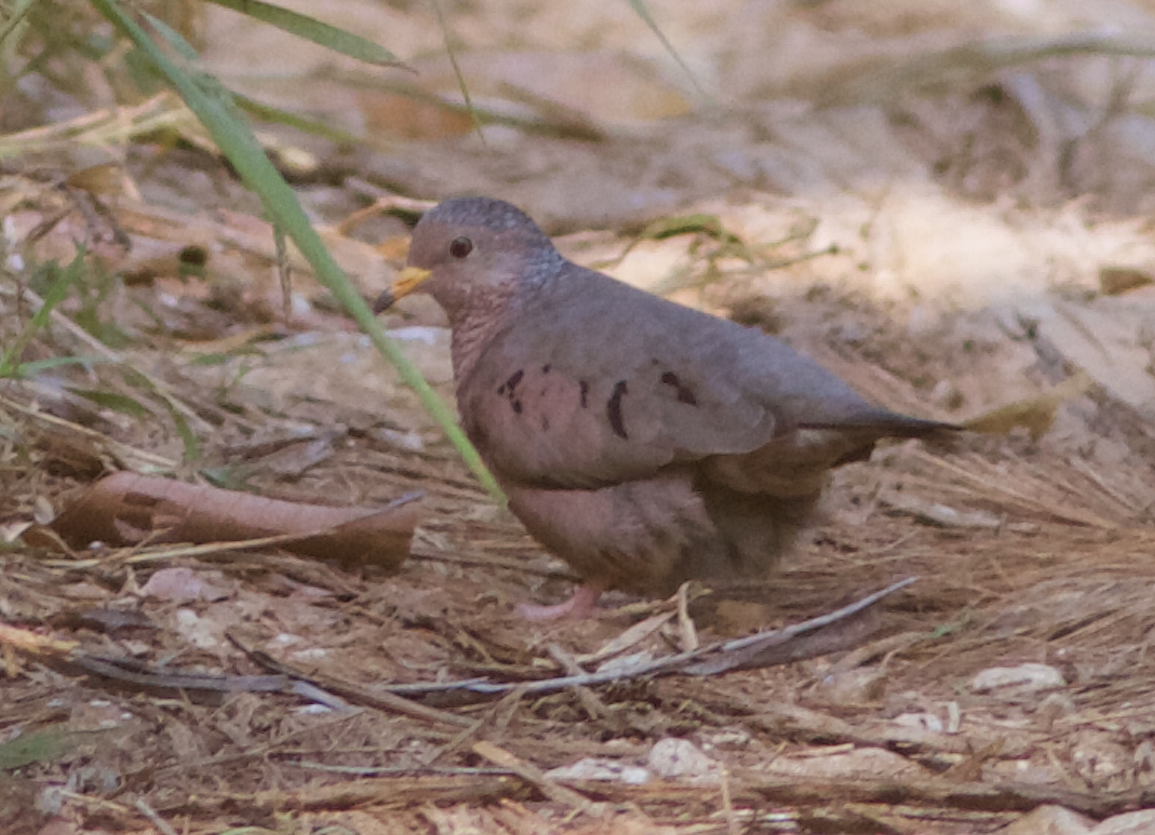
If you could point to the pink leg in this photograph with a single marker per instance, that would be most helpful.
(578, 607)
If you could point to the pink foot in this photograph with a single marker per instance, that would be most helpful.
(578, 607)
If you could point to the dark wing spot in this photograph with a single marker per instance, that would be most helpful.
(516, 406)
(685, 394)
(514, 379)
(545, 369)
(501, 390)
(614, 409)
(585, 390)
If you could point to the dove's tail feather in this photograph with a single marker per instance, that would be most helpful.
(795, 463)
(885, 424)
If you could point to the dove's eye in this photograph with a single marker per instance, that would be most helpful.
(460, 247)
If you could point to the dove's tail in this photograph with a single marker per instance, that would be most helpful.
(886, 424)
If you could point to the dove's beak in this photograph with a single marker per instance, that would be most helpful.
(406, 282)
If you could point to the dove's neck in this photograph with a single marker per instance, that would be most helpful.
(475, 327)
(492, 309)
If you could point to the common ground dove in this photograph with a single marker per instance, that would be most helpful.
(643, 442)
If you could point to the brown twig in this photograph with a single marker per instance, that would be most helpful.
(532, 774)
(742, 653)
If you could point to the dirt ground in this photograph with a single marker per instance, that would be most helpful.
(947, 207)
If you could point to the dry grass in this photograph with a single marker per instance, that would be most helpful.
(1062, 578)
(1031, 547)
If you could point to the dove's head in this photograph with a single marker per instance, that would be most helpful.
(474, 254)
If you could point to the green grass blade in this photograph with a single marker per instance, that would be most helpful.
(216, 111)
(113, 400)
(55, 295)
(175, 39)
(642, 11)
(18, 14)
(461, 85)
(31, 369)
(314, 30)
(192, 446)
(268, 113)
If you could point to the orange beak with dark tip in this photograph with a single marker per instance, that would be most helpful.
(406, 282)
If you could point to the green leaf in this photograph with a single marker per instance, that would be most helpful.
(216, 358)
(642, 11)
(192, 446)
(43, 746)
(256, 108)
(461, 85)
(176, 40)
(112, 400)
(17, 14)
(294, 120)
(31, 369)
(314, 30)
(669, 227)
(188, 438)
(230, 477)
(216, 110)
(55, 294)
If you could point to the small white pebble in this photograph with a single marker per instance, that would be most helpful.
(1030, 677)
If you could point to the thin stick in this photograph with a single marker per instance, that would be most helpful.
(532, 774)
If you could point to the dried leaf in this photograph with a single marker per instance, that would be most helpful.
(127, 509)
(1035, 414)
